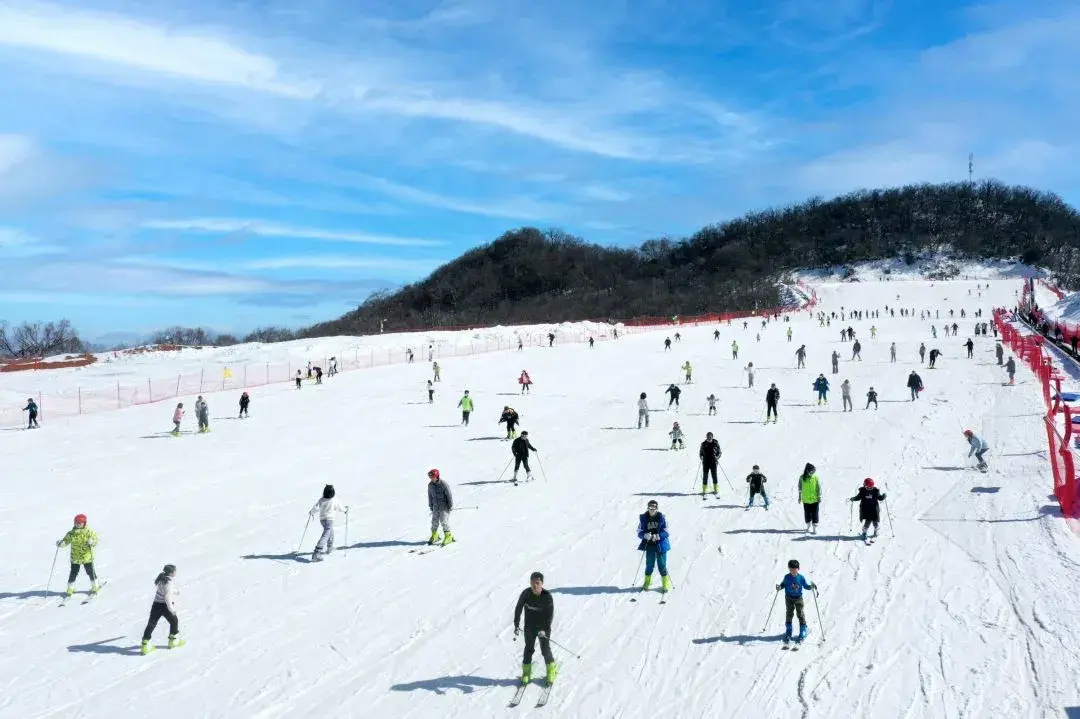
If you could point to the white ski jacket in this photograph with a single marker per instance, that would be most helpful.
(326, 508)
(165, 594)
(642, 405)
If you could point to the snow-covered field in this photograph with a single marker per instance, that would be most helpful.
(964, 608)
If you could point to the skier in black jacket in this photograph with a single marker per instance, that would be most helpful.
(757, 480)
(914, 383)
(674, 392)
(869, 512)
(709, 454)
(520, 449)
(510, 416)
(772, 398)
(539, 610)
(934, 354)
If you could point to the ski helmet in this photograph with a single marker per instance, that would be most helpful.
(968, 433)
(793, 564)
(433, 474)
(80, 519)
(525, 433)
(868, 483)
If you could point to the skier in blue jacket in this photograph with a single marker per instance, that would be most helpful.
(653, 533)
(979, 447)
(793, 585)
(822, 386)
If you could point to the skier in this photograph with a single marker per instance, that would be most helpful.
(245, 401)
(437, 370)
(934, 354)
(868, 497)
(539, 608)
(653, 532)
(299, 378)
(325, 508)
(709, 453)
(551, 339)
(772, 398)
(333, 366)
(32, 408)
(520, 449)
(526, 382)
(800, 356)
(591, 342)
(711, 399)
(922, 352)
(674, 392)
(793, 585)
(510, 416)
(970, 347)
(466, 405)
(734, 350)
(835, 362)
(871, 396)
(810, 497)
(1010, 367)
(892, 352)
(873, 332)
(82, 540)
(788, 334)
(430, 392)
(757, 480)
(914, 383)
(678, 337)
(999, 352)
(318, 370)
(716, 336)
(164, 606)
(689, 371)
(642, 411)
(202, 413)
(856, 351)
(845, 395)
(676, 435)
(750, 375)
(979, 447)
(667, 344)
(177, 416)
(821, 386)
(440, 503)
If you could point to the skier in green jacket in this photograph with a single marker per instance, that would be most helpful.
(810, 497)
(82, 540)
(466, 405)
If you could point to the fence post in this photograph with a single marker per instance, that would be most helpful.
(177, 394)
(149, 389)
(202, 376)
(118, 395)
(267, 373)
(80, 400)
(41, 405)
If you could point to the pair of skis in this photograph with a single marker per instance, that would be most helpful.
(89, 598)
(520, 692)
(663, 595)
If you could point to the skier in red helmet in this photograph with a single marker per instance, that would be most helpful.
(440, 503)
(82, 540)
(868, 498)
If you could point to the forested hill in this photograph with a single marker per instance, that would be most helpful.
(534, 276)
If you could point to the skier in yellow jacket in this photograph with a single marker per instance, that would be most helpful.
(82, 540)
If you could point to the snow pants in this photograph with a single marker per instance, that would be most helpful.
(673, 401)
(770, 410)
(654, 557)
(750, 380)
(75, 572)
(298, 381)
(157, 611)
(802, 362)
(979, 456)
(810, 512)
(914, 393)
(439, 516)
(757, 490)
(794, 606)
(325, 545)
(465, 417)
(822, 395)
(521, 461)
(243, 410)
(430, 396)
(530, 643)
(32, 421)
(712, 409)
(847, 402)
(866, 525)
(642, 415)
(707, 468)
(204, 419)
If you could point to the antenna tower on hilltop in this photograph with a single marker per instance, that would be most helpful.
(971, 168)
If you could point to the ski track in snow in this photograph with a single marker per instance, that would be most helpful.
(962, 608)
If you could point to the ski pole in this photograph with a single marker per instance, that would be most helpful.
(818, 610)
(564, 648)
(727, 478)
(540, 464)
(504, 470)
(850, 515)
(469, 507)
(346, 534)
(888, 514)
(771, 607)
(51, 570)
(637, 571)
(301, 545)
(693, 477)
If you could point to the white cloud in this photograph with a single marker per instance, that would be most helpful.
(14, 150)
(338, 262)
(886, 165)
(271, 229)
(16, 243)
(602, 193)
(123, 41)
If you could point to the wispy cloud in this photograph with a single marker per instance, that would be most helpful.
(340, 262)
(259, 228)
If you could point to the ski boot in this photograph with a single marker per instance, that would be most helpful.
(447, 539)
(70, 589)
(514, 478)
(526, 673)
(175, 641)
(528, 476)
(94, 587)
(434, 537)
(552, 670)
(147, 647)
(316, 556)
(803, 631)
(666, 583)
(647, 584)
(787, 634)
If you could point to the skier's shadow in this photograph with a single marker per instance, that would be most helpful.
(589, 591)
(32, 594)
(385, 543)
(946, 469)
(724, 506)
(609, 428)
(482, 439)
(103, 647)
(665, 494)
(826, 538)
(291, 556)
(439, 426)
(485, 481)
(985, 490)
(765, 531)
(741, 639)
(464, 683)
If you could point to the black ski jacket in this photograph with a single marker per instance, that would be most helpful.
(709, 452)
(772, 396)
(539, 610)
(757, 481)
(673, 391)
(520, 447)
(868, 504)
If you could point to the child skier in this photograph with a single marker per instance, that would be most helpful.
(868, 497)
(793, 585)
(750, 375)
(540, 610)
(440, 504)
(979, 447)
(1010, 367)
(82, 540)
(676, 435)
(642, 411)
(245, 400)
(437, 371)
(526, 382)
(202, 413)
(674, 392)
(325, 508)
(430, 392)
(845, 394)
(711, 399)
(810, 497)
(653, 533)
(164, 606)
(177, 416)
(772, 399)
(32, 408)
(466, 405)
(821, 386)
(511, 418)
(871, 396)
(757, 480)
(689, 371)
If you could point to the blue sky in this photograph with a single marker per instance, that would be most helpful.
(236, 164)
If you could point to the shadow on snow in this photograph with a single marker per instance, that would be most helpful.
(464, 683)
(103, 647)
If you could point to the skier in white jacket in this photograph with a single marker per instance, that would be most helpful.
(164, 606)
(642, 411)
(326, 508)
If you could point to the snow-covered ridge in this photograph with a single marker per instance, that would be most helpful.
(926, 266)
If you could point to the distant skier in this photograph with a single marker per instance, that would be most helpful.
(299, 378)
(689, 372)
(466, 405)
(164, 606)
(678, 337)
(868, 498)
(979, 447)
(525, 381)
(653, 532)
(1010, 367)
(970, 347)
(856, 351)
(511, 418)
(788, 334)
(810, 497)
(32, 408)
(319, 372)
(772, 399)
(667, 344)
(711, 399)
(821, 386)
(892, 352)
(793, 585)
(202, 412)
(716, 335)
(551, 339)
(437, 371)
(520, 449)
(709, 454)
(177, 417)
(430, 392)
(800, 356)
(845, 395)
(539, 608)
(835, 362)
(922, 353)
(326, 508)
(440, 504)
(750, 375)
(245, 402)
(82, 541)
(591, 342)
(676, 435)
(914, 383)
(734, 350)
(757, 480)
(871, 396)
(999, 352)
(934, 354)
(873, 332)
(642, 411)
(674, 392)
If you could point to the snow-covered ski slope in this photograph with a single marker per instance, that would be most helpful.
(965, 607)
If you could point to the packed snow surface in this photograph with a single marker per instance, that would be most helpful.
(965, 606)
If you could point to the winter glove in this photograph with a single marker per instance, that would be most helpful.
(542, 633)
(90, 542)
(779, 587)
(59, 542)
(813, 587)
(517, 632)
